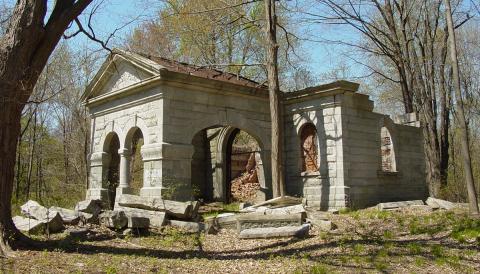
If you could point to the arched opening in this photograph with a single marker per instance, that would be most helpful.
(387, 151)
(111, 146)
(226, 165)
(309, 148)
(243, 153)
(134, 144)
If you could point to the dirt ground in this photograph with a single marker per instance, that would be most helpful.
(365, 241)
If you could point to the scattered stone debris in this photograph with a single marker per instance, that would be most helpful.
(192, 227)
(274, 232)
(93, 207)
(30, 226)
(173, 208)
(156, 218)
(438, 203)
(52, 219)
(248, 221)
(400, 204)
(113, 219)
(69, 217)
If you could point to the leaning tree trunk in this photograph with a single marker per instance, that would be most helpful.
(25, 47)
(462, 123)
(278, 180)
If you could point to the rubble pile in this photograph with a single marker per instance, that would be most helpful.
(279, 217)
(245, 187)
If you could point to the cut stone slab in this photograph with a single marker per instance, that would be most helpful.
(295, 209)
(323, 225)
(32, 209)
(52, 219)
(275, 232)
(192, 227)
(394, 205)
(79, 233)
(248, 221)
(156, 218)
(280, 201)
(134, 221)
(173, 208)
(113, 219)
(226, 220)
(89, 206)
(30, 226)
(434, 202)
(69, 217)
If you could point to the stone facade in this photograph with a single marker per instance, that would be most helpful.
(187, 119)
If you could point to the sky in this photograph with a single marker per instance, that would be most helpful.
(113, 14)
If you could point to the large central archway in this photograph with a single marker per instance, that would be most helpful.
(225, 159)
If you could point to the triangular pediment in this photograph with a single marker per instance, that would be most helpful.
(119, 73)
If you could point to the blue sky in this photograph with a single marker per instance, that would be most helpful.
(113, 14)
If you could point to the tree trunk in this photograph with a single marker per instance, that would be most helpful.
(33, 140)
(278, 179)
(460, 115)
(25, 47)
(10, 125)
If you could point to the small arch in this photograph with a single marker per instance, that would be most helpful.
(387, 148)
(133, 142)
(112, 167)
(309, 148)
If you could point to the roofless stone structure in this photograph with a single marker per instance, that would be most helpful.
(338, 152)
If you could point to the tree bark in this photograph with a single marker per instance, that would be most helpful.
(25, 48)
(278, 179)
(460, 115)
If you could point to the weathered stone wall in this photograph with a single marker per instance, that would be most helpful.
(189, 109)
(367, 183)
(323, 189)
(349, 151)
(121, 116)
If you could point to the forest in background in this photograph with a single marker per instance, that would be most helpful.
(52, 157)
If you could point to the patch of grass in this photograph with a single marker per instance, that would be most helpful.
(388, 235)
(419, 261)
(414, 248)
(318, 269)
(233, 207)
(466, 229)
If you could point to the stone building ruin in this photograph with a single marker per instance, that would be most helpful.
(177, 123)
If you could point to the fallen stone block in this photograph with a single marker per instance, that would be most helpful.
(192, 227)
(30, 226)
(295, 209)
(89, 206)
(79, 233)
(394, 205)
(53, 222)
(323, 225)
(134, 221)
(69, 217)
(280, 201)
(52, 219)
(33, 209)
(156, 218)
(173, 208)
(439, 203)
(248, 221)
(275, 232)
(113, 219)
(226, 220)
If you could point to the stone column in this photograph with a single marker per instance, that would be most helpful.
(124, 173)
(99, 162)
(152, 171)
